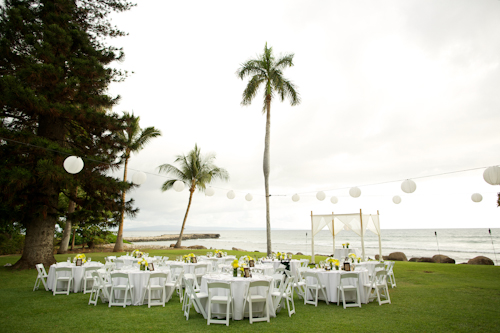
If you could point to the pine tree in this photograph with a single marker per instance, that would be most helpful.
(53, 79)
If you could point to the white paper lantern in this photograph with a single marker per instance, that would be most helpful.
(231, 194)
(295, 197)
(320, 196)
(209, 192)
(408, 186)
(396, 199)
(73, 164)
(334, 200)
(178, 185)
(354, 192)
(492, 175)
(139, 178)
(476, 197)
(249, 197)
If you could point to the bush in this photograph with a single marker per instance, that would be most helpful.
(11, 244)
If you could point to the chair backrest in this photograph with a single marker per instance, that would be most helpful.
(41, 270)
(219, 285)
(162, 276)
(304, 262)
(64, 269)
(193, 279)
(192, 294)
(345, 276)
(176, 270)
(312, 275)
(261, 283)
(200, 269)
(381, 276)
(114, 276)
(280, 269)
(379, 266)
(388, 267)
(110, 258)
(278, 280)
(288, 273)
(228, 261)
(88, 271)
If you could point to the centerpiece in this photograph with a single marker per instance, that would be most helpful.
(143, 263)
(353, 257)
(137, 254)
(333, 263)
(81, 257)
(218, 253)
(235, 265)
(188, 258)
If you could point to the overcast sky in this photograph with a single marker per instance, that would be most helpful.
(390, 90)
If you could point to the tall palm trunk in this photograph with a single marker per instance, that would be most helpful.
(191, 191)
(266, 171)
(119, 237)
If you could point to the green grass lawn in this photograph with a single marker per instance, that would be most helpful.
(428, 298)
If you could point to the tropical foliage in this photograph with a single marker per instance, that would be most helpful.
(196, 171)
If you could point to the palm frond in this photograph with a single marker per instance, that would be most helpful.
(251, 89)
(284, 61)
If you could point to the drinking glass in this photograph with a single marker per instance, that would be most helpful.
(69, 260)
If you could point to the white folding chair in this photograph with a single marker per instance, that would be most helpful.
(191, 297)
(157, 282)
(64, 275)
(381, 287)
(390, 273)
(175, 275)
(304, 262)
(213, 298)
(370, 289)
(200, 270)
(299, 282)
(288, 295)
(118, 286)
(254, 297)
(119, 263)
(278, 281)
(87, 277)
(100, 288)
(280, 269)
(41, 277)
(348, 285)
(110, 258)
(174, 285)
(314, 286)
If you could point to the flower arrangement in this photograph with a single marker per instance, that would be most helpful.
(137, 254)
(187, 257)
(352, 256)
(143, 263)
(345, 245)
(281, 255)
(80, 256)
(235, 265)
(247, 258)
(333, 262)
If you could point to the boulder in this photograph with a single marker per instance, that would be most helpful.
(480, 260)
(236, 249)
(172, 245)
(299, 254)
(413, 259)
(425, 259)
(377, 257)
(397, 256)
(197, 247)
(439, 258)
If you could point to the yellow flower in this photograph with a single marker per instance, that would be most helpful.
(235, 263)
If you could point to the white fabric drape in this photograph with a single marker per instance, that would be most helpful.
(358, 223)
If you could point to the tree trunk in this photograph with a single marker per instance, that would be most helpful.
(40, 227)
(191, 191)
(67, 228)
(73, 241)
(266, 171)
(119, 237)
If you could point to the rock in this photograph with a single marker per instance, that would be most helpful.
(397, 256)
(197, 247)
(439, 258)
(172, 245)
(425, 259)
(413, 259)
(299, 254)
(377, 257)
(236, 249)
(480, 260)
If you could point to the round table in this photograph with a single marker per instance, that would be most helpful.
(77, 273)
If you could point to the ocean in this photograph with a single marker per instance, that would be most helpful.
(459, 244)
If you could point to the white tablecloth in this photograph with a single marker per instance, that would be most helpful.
(368, 265)
(189, 268)
(77, 274)
(331, 280)
(294, 264)
(238, 287)
(342, 253)
(267, 268)
(131, 261)
(139, 279)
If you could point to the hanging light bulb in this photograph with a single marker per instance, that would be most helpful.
(139, 178)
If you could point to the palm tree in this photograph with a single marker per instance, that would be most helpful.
(135, 138)
(196, 171)
(267, 71)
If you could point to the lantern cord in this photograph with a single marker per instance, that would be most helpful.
(393, 181)
(494, 252)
